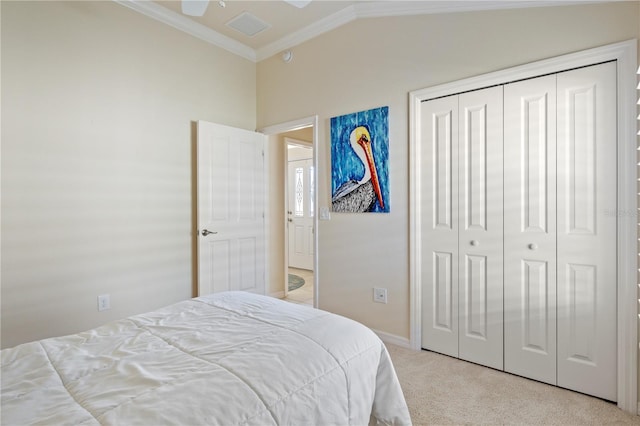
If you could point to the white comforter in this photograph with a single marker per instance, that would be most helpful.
(230, 358)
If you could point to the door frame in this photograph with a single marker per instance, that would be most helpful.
(311, 121)
(625, 54)
(303, 144)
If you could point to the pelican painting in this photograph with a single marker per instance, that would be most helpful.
(359, 162)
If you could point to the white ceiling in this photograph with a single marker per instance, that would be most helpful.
(290, 26)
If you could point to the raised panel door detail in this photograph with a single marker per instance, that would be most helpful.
(475, 287)
(298, 240)
(443, 290)
(582, 312)
(475, 166)
(580, 160)
(248, 249)
(442, 169)
(218, 172)
(220, 266)
(248, 167)
(534, 164)
(535, 307)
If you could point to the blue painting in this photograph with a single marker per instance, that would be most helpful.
(360, 162)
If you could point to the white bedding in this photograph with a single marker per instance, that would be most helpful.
(229, 358)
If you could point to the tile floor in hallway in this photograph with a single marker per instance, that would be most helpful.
(304, 294)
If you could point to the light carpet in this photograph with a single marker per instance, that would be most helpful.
(441, 390)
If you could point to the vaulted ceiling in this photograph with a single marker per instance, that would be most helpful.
(257, 30)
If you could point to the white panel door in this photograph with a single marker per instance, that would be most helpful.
(480, 236)
(231, 234)
(587, 230)
(300, 214)
(439, 237)
(530, 228)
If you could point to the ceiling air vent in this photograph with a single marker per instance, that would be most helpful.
(248, 24)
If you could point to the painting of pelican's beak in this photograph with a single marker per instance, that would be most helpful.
(364, 140)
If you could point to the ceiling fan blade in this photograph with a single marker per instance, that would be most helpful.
(298, 3)
(194, 7)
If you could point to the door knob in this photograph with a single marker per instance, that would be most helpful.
(475, 243)
(290, 220)
(533, 246)
(206, 232)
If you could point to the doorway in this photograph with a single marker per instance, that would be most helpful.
(300, 211)
(302, 134)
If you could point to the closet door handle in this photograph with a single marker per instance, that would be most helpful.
(206, 232)
(533, 246)
(474, 243)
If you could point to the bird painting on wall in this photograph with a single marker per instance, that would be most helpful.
(359, 161)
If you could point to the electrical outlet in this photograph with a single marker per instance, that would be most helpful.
(104, 302)
(380, 295)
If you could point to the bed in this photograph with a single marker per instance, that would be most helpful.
(231, 358)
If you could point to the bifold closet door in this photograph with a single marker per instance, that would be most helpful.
(560, 229)
(461, 257)
(480, 235)
(439, 235)
(530, 228)
(586, 179)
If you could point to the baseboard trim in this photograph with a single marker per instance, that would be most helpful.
(393, 339)
(277, 294)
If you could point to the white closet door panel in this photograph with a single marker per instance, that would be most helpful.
(439, 237)
(587, 230)
(530, 228)
(481, 228)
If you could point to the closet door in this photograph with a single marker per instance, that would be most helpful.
(439, 237)
(480, 233)
(587, 230)
(530, 228)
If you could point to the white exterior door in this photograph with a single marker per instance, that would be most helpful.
(231, 228)
(300, 213)
(530, 228)
(587, 281)
(480, 235)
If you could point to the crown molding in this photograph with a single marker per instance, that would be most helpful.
(182, 23)
(382, 9)
(351, 13)
(322, 26)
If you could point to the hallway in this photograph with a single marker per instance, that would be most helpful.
(302, 295)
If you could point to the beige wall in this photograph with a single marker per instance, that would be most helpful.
(97, 160)
(375, 62)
